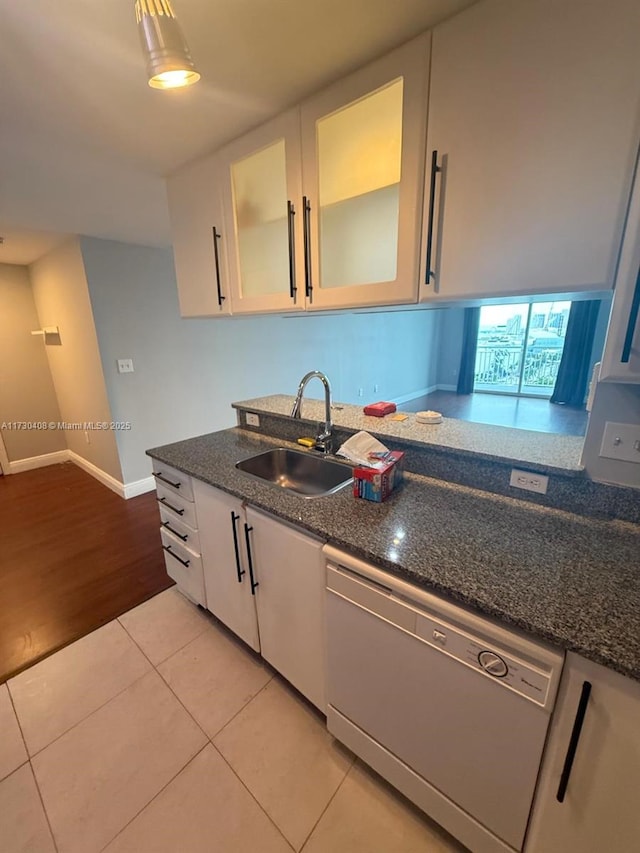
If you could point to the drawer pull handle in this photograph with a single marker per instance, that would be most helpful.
(291, 212)
(573, 741)
(175, 532)
(306, 233)
(185, 563)
(166, 503)
(216, 257)
(432, 207)
(254, 583)
(631, 325)
(239, 570)
(165, 480)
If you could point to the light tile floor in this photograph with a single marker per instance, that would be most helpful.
(160, 733)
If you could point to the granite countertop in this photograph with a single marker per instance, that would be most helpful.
(559, 454)
(564, 578)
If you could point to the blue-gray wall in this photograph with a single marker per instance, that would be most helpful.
(188, 372)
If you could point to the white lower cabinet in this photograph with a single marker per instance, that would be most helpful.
(179, 530)
(265, 581)
(289, 570)
(593, 804)
(223, 547)
(184, 566)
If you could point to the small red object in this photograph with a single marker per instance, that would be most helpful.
(379, 410)
(377, 483)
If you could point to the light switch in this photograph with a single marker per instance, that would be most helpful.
(621, 441)
(125, 365)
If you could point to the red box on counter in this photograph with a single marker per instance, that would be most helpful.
(377, 483)
(379, 410)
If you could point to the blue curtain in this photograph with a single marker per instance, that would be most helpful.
(469, 346)
(573, 373)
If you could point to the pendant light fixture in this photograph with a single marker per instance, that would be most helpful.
(169, 62)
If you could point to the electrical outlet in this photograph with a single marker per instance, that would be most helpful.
(621, 441)
(253, 419)
(529, 481)
(360, 392)
(376, 388)
(125, 365)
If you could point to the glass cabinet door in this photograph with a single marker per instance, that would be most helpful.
(359, 152)
(363, 161)
(260, 208)
(261, 201)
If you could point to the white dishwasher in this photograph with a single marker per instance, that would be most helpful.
(450, 708)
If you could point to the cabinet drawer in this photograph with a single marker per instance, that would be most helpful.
(172, 479)
(187, 536)
(184, 566)
(177, 505)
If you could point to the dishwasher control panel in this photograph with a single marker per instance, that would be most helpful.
(493, 664)
(521, 677)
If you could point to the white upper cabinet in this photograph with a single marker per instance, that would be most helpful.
(363, 161)
(263, 220)
(199, 248)
(621, 358)
(534, 113)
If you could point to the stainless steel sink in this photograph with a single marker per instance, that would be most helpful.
(298, 471)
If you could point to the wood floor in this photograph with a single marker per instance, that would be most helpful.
(504, 410)
(73, 555)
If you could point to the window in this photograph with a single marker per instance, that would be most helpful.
(520, 347)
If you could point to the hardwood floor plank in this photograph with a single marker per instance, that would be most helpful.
(504, 410)
(73, 556)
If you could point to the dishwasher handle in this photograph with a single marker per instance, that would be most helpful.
(380, 587)
(371, 594)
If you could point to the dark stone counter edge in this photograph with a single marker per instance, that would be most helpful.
(451, 593)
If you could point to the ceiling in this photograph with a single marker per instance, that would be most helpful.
(85, 143)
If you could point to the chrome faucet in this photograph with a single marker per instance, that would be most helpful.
(324, 439)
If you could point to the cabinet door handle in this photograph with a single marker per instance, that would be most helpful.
(631, 325)
(306, 224)
(239, 569)
(573, 741)
(175, 532)
(167, 504)
(254, 583)
(165, 480)
(291, 212)
(432, 207)
(217, 237)
(185, 563)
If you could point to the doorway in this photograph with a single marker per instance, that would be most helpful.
(4, 459)
(520, 347)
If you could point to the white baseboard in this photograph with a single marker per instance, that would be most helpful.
(125, 490)
(139, 487)
(32, 462)
(106, 479)
(421, 392)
